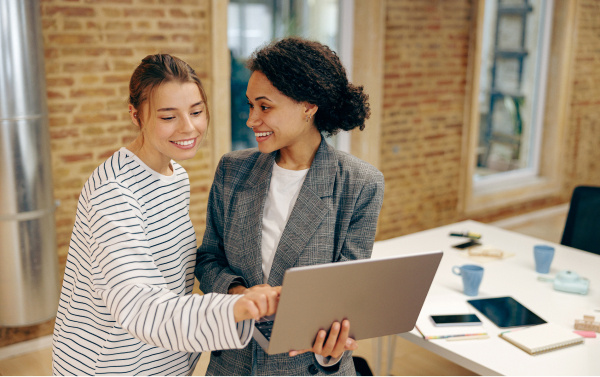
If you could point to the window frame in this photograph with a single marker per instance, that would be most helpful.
(511, 177)
(477, 200)
(346, 48)
(367, 69)
(219, 130)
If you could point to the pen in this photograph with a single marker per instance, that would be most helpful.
(448, 337)
(472, 235)
(469, 337)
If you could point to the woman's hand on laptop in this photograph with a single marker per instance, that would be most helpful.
(333, 345)
(256, 302)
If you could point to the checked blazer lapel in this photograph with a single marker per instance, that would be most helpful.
(248, 218)
(308, 213)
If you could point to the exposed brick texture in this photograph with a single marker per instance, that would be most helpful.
(583, 135)
(91, 49)
(426, 48)
(426, 55)
(92, 46)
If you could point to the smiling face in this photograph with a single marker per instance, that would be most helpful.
(279, 122)
(172, 126)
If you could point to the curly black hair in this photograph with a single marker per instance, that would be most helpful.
(308, 71)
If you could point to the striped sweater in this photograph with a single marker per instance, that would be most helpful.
(126, 305)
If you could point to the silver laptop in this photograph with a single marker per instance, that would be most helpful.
(379, 296)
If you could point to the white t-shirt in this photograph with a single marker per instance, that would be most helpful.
(281, 198)
(283, 192)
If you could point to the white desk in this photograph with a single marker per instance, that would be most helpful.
(514, 276)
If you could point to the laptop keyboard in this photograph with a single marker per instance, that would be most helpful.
(265, 328)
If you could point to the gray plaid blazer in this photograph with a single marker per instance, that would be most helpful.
(334, 219)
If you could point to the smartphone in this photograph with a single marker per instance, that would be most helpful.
(456, 320)
(464, 245)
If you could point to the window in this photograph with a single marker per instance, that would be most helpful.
(514, 56)
(515, 115)
(253, 23)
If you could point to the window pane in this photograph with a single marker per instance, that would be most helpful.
(513, 60)
(510, 32)
(253, 23)
(507, 75)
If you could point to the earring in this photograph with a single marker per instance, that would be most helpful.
(308, 118)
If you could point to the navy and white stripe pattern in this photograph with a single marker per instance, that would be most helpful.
(126, 305)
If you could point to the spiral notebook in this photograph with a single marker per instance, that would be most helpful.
(542, 338)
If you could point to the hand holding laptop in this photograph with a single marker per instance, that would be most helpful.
(258, 301)
(261, 301)
(378, 296)
(333, 345)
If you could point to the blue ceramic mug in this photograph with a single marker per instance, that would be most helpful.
(543, 255)
(471, 276)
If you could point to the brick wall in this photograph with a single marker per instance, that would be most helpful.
(92, 46)
(426, 48)
(583, 135)
(426, 52)
(91, 49)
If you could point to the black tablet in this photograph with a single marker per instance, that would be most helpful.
(506, 312)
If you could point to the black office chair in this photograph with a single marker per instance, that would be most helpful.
(582, 228)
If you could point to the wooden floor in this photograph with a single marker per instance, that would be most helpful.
(409, 359)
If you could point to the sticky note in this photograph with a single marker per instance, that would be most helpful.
(585, 334)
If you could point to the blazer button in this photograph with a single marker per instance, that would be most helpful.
(216, 353)
(313, 369)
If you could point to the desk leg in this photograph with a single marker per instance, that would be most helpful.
(377, 348)
(390, 354)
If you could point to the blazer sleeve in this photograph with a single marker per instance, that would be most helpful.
(360, 236)
(212, 268)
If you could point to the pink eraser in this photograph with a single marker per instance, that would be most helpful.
(585, 334)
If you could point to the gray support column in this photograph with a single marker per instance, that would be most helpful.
(28, 258)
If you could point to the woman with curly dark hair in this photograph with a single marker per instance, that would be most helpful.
(294, 201)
